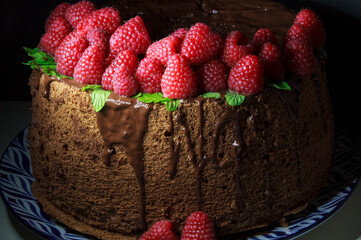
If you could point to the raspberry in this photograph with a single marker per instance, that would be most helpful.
(297, 31)
(59, 11)
(161, 230)
(270, 57)
(236, 46)
(163, 49)
(212, 76)
(181, 33)
(310, 21)
(262, 36)
(198, 227)
(201, 44)
(57, 31)
(90, 66)
(126, 58)
(299, 58)
(131, 36)
(149, 75)
(98, 36)
(178, 80)
(105, 18)
(246, 77)
(124, 81)
(69, 53)
(75, 12)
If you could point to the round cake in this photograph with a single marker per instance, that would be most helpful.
(114, 172)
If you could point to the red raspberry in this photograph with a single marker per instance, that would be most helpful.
(126, 58)
(161, 230)
(236, 46)
(198, 227)
(163, 49)
(57, 31)
(297, 31)
(69, 53)
(201, 44)
(262, 36)
(59, 11)
(75, 12)
(178, 80)
(299, 58)
(90, 66)
(212, 76)
(246, 77)
(98, 37)
(181, 33)
(149, 75)
(131, 36)
(124, 81)
(270, 57)
(105, 18)
(313, 24)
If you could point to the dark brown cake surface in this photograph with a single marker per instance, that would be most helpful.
(114, 173)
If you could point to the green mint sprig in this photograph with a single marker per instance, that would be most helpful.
(211, 95)
(234, 99)
(98, 96)
(171, 104)
(43, 61)
(281, 85)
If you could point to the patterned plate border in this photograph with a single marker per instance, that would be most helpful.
(16, 179)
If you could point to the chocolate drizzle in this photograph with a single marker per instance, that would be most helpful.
(173, 146)
(124, 121)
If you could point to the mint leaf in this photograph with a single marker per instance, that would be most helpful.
(211, 95)
(234, 99)
(43, 61)
(98, 96)
(138, 95)
(152, 97)
(172, 105)
(281, 85)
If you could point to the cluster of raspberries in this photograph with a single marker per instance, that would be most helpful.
(93, 47)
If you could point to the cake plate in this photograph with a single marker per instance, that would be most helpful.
(16, 179)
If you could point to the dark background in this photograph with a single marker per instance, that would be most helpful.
(22, 24)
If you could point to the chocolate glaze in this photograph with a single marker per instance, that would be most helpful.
(124, 121)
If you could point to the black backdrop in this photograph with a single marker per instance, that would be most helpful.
(22, 24)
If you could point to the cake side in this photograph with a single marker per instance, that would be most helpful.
(274, 173)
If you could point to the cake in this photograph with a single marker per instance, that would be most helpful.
(113, 172)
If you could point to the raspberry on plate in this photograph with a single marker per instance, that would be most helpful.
(310, 21)
(201, 44)
(198, 227)
(246, 77)
(105, 18)
(299, 58)
(161, 230)
(75, 12)
(149, 75)
(178, 80)
(90, 66)
(132, 36)
(59, 11)
(57, 32)
(212, 76)
(236, 46)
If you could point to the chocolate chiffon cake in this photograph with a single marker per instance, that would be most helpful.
(114, 172)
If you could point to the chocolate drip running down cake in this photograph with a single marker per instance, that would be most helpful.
(114, 173)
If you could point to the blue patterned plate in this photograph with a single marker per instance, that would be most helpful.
(16, 178)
